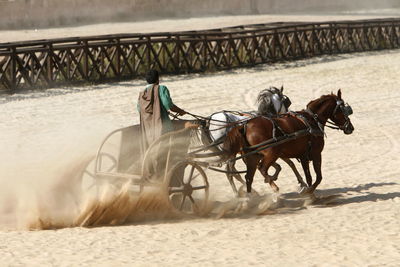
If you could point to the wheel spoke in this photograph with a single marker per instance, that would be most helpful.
(91, 186)
(183, 202)
(105, 158)
(191, 174)
(89, 173)
(114, 164)
(199, 187)
(194, 205)
(195, 176)
(176, 190)
(192, 200)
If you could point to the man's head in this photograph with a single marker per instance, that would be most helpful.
(152, 76)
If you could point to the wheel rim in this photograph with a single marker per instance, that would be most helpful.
(90, 182)
(188, 188)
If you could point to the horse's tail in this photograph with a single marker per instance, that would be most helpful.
(235, 140)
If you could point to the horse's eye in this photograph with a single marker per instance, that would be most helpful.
(286, 101)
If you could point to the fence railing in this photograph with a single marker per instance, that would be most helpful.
(49, 63)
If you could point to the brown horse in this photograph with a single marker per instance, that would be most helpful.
(306, 146)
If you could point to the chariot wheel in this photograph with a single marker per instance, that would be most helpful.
(90, 181)
(188, 188)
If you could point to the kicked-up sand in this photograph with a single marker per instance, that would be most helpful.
(46, 137)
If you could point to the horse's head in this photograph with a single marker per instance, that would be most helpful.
(272, 102)
(332, 107)
(341, 113)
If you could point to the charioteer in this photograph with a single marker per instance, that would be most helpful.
(154, 102)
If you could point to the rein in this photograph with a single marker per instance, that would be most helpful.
(321, 125)
(335, 127)
(223, 125)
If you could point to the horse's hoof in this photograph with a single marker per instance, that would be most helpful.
(243, 204)
(241, 193)
(275, 197)
(274, 187)
(304, 190)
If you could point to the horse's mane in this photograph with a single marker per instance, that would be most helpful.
(319, 101)
(262, 95)
(264, 100)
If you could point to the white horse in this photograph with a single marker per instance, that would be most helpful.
(271, 103)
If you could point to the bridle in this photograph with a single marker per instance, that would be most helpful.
(346, 110)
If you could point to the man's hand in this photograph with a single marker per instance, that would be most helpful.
(178, 110)
(182, 112)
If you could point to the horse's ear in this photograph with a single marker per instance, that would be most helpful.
(281, 88)
(339, 94)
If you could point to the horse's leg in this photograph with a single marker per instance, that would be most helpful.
(251, 164)
(306, 169)
(230, 166)
(317, 168)
(237, 176)
(278, 169)
(296, 172)
(268, 160)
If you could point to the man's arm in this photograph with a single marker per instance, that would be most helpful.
(167, 101)
(178, 110)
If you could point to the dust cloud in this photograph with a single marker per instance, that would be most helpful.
(56, 193)
(53, 196)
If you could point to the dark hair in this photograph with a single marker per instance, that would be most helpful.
(152, 76)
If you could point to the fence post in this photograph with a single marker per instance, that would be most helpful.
(177, 51)
(332, 37)
(118, 56)
(229, 49)
(205, 52)
(86, 60)
(149, 63)
(14, 68)
(49, 64)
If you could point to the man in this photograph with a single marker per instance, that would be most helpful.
(153, 105)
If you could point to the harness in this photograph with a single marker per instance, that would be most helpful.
(310, 129)
(313, 131)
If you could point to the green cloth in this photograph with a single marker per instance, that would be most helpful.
(166, 104)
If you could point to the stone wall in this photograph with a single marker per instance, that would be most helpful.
(16, 14)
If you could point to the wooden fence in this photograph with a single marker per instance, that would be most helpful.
(55, 62)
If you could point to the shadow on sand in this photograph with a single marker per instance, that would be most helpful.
(342, 196)
(291, 203)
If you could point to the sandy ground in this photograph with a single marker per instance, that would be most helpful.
(355, 221)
